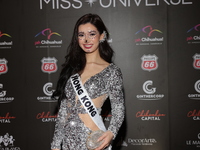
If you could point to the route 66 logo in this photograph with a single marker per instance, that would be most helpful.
(49, 65)
(3, 66)
(196, 62)
(149, 62)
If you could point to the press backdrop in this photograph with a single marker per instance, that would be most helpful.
(157, 47)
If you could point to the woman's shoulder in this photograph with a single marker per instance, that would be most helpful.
(114, 67)
(115, 70)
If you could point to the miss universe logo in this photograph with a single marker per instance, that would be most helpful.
(77, 4)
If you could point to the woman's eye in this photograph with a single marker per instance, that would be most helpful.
(92, 34)
(80, 35)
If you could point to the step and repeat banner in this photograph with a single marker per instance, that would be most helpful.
(157, 47)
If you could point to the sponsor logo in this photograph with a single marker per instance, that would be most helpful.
(149, 36)
(196, 62)
(7, 142)
(2, 93)
(52, 39)
(46, 117)
(7, 118)
(197, 88)
(122, 143)
(49, 65)
(193, 35)
(194, 142)
(147, 116)
(3, 98)
(149, 62)
(150, 92)
(5, 42)
(194, 114)
(107, 116)
(90, 2)
(142, 141)
(3, 66)
(48, 91)
(78, 4)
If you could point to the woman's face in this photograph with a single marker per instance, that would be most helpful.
(89, 37)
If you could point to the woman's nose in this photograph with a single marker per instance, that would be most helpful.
(86, 38)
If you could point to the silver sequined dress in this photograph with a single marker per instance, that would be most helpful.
(70, 130)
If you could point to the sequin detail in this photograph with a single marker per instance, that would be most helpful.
(70, 130)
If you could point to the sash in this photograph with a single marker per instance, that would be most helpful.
(86, 101)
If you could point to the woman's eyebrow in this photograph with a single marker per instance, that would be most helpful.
(92, 31)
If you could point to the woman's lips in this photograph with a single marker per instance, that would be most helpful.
(87, 46)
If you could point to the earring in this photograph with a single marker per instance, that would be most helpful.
(104, 37)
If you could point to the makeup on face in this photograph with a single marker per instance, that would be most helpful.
(90, 35)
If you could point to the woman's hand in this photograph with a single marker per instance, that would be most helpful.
(106, 138)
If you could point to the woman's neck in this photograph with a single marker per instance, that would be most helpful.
(93, 57)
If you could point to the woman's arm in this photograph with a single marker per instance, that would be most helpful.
(60, 123)
(117, 101)
(117, 108)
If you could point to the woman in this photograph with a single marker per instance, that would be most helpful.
(89, 55)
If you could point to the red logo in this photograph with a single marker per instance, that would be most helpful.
(46, 117)
(7, 116)
(195, 114)
(149, 62)
(147, 116)
(196, 62)
(147, 113)
(3, 66)
(49, 65)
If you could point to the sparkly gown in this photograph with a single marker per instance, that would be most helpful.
(71, 129)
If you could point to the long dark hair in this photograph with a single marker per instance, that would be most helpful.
(75, 59)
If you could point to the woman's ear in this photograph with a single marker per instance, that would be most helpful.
(103, 37)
